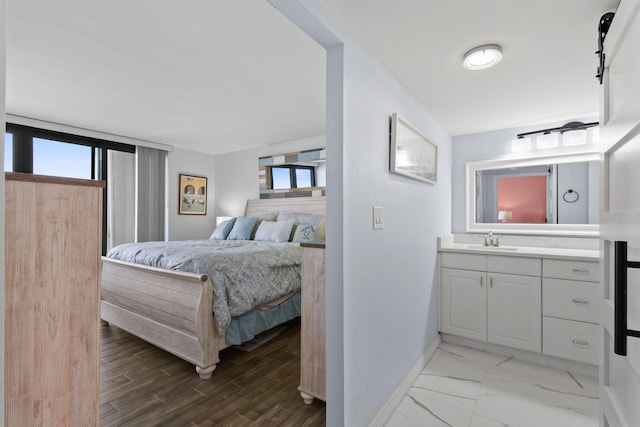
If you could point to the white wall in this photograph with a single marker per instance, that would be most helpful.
(187, 227)
(487, 146)
(236, 174)
(382, 283)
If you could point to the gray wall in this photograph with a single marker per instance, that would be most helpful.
(187, 227)
(382, 285)
(236, 174)
(391, 291)
(574, 177)
(487, 146)
(594, 189)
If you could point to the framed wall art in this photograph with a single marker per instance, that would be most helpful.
(193, 195)
(412, 154)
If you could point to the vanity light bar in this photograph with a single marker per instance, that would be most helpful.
(572, 133)
(566, 128)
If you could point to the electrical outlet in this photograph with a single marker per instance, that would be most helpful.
(378, 217)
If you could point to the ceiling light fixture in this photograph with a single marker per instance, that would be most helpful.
(482, 57)
(573, 133)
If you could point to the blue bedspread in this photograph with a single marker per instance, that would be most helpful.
(244, 273)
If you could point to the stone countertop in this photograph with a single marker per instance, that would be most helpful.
(581, 254)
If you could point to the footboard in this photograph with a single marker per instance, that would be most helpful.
(169, 309)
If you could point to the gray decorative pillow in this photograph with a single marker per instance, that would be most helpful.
(296, 217)
(222, 231)
(304, 233)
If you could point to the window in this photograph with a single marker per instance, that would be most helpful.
(8, 152)
(45, 152)
(55, 158)
(290, 176)
(304, 177)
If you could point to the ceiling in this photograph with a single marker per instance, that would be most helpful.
(209, 76)
(226, 75)
(546, 74)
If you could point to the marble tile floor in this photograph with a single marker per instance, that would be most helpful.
(464, 387)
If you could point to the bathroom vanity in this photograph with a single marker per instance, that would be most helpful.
(542, 299)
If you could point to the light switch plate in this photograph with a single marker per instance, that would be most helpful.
(378, 217)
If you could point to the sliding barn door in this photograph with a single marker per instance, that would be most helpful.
(620, 221)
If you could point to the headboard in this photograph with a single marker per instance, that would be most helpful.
(312, 205)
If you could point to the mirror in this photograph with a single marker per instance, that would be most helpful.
(296, 174)
(544, 195)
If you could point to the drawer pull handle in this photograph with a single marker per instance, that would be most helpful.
(580, 270)
(580, 301)
(481, 281)
(580, 343)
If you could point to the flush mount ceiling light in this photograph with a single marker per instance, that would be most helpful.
(482, 57)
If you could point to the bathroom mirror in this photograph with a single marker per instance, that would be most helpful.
(301, 173)
(556, 195)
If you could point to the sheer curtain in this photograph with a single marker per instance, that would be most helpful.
(150, 194)
(136, 189)
(120, 198)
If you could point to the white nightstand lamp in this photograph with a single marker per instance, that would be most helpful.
(505, 216)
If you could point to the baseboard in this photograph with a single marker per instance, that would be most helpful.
(610, 408)
(392, 403)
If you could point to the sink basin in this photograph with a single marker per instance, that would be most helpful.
(492, 248)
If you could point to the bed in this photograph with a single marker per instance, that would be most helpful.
(173, 309)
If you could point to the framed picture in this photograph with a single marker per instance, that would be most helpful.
(193, 195)
(412, 154)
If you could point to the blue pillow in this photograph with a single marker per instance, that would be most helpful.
(242, 228)
(222, 231)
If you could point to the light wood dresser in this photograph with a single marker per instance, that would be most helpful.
(312, 345)
(52, 292)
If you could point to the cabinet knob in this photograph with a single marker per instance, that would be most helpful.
(580, 343)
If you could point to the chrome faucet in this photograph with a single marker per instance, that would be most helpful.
(488, 240)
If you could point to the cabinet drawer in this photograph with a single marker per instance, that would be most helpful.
(514, 265)
(464, 261)
(570, 340)
(571, 270)
(570, 299)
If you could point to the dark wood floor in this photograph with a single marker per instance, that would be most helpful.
(142, 385)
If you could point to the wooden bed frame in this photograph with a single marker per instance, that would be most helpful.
(172, 309)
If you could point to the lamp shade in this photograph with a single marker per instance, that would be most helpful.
(593, 135)
(547, 140)
(574, 137)
(221, 219)
(505, 216)
(521, 145)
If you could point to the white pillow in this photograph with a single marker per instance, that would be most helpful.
(272, 231)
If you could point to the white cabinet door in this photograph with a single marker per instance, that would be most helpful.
(464, 302)
(514, 311)
(620, 216)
